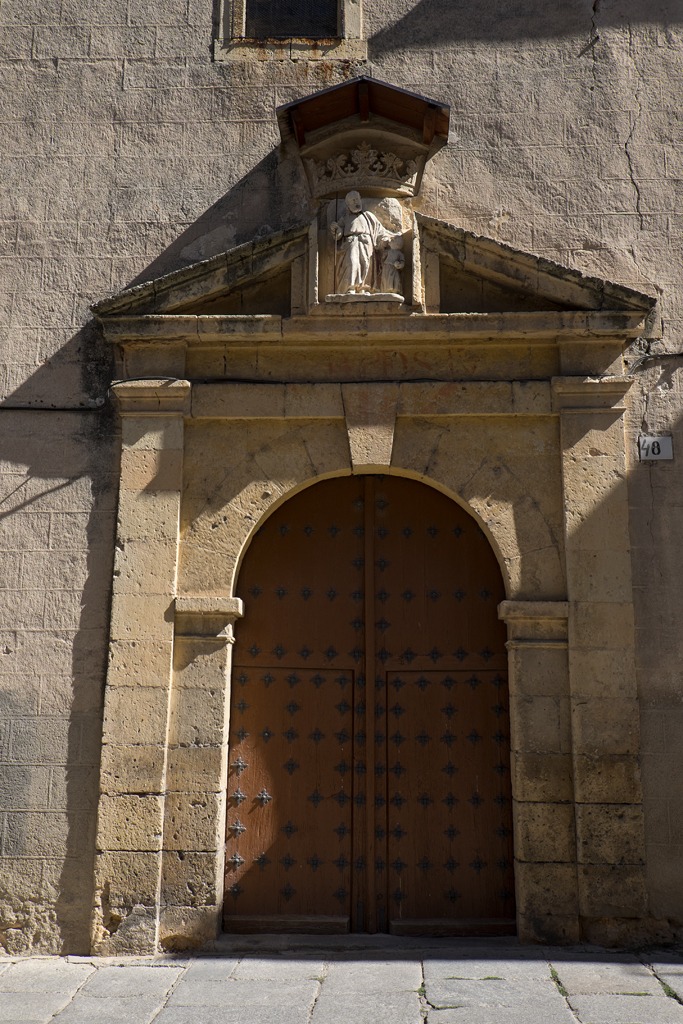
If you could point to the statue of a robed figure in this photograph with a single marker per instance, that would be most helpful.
(368, 259)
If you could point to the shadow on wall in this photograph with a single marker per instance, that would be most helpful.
(452, 21)
(271, 197)
(57, 520)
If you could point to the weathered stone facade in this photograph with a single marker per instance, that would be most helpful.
(131, 153)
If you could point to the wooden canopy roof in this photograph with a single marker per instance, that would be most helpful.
(363, 98)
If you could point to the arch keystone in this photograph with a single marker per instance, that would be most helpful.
(370, 415)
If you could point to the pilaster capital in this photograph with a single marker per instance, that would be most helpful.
(593, 394)
(209, 616)
(535, 623)
(154, 397)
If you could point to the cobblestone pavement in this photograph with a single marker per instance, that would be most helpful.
(349, 980)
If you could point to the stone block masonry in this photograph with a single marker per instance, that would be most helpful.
(56, 529)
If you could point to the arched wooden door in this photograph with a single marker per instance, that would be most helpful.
(369, 783)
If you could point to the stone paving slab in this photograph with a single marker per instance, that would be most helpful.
(586, 954)
(154, 982)
(370, 992)
(286, 971)
(243, 994)
(111, 1010)
(616, 1009)
(667, 959)
(41, 975)
(272, 1014)
(32, 1006)
(661, 966)
(387, 976)
(491, 992)
(368, 1007)
(211, 968)
(560, 1014)
(605, 978)
(478, 969)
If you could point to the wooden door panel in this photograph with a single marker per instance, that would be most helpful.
(449, 840)
(290, 793)
(295, 677)
(437, 582)
(302, 582)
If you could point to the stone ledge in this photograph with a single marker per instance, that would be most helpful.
(207, 616)
(156, 396)
(589, 394)
(535, 623)
(406, 327)
(256, 51)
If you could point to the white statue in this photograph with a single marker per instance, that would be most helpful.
(393, 263)
(358, 236)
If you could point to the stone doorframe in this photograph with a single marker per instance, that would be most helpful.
(557, 517)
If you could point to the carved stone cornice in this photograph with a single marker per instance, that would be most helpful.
(154, 397)
(322, 329)
(366, 168)
(581, 394)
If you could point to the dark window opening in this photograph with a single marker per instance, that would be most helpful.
(284, 19)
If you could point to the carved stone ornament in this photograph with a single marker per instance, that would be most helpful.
(364, 167)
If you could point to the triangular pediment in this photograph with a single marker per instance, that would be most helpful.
(457, 272)
(250, 279)
(482, 275)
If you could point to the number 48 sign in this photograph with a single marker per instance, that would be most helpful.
(651, 448)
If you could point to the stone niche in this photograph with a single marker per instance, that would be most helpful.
(494, 376)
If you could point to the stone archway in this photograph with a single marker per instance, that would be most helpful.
(242, 385)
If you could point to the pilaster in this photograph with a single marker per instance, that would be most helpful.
(194, 825)
(542, 782)
(603, 697)
(133, 775)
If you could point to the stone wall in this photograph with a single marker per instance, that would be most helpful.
(128, 152)
(56, 533)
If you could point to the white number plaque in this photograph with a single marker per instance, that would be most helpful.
(651, 447)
